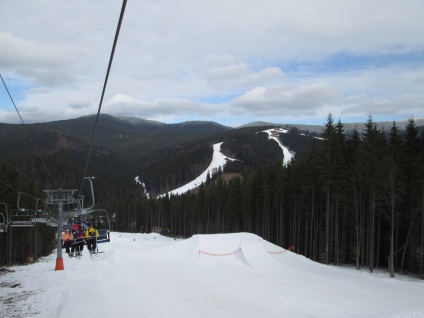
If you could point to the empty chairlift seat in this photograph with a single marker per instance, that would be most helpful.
(104, 236)
(22, 218)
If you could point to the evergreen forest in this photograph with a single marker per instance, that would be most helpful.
(348, 198)
(354, 198)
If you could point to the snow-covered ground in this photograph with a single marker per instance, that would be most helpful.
(218, 161)
(221, 275)
(288, 155)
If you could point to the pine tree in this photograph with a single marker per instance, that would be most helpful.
(413, 189)
(373, 149)
(394, 185)
(327, 176)
(354, 199)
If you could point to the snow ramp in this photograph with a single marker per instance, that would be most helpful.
(241, 248)
(219, 249)
(246, 249)
(256, 256)
(260, 253)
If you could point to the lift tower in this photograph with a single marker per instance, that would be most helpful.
(60, 197)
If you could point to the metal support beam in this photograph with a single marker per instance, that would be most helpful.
(60, 197)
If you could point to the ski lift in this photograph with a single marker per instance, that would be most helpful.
(99, 217)
(86, 216)
(3, 224)
(40, 216)
(21, 217)
(101, 222)
(52, 222)
(3, 219)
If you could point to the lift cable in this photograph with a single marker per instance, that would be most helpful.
(104, 89)
(19, 191)
(38, 153)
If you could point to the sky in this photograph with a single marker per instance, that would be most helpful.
(232, 62)
(217, 275)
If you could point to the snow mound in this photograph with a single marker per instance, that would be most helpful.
(242, 248)
(150, 275)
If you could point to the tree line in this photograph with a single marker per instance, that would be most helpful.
(348, 198)
(354, 198)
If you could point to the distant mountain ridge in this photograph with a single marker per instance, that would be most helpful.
(164, 154)
(139, 121)
(127, 143)
(348, 127)
(128, 124)
(122, 132)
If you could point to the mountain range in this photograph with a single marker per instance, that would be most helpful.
(348, 127)
(58, 154)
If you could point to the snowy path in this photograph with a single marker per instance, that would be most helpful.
(218, 161)
(221, 275)
(288, 155)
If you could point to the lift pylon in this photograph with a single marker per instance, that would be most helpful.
(60, 197)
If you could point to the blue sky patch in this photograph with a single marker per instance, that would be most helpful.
(16, 90)
(218, 99)
(344, 62)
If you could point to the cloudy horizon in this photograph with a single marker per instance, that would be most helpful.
(230, 62)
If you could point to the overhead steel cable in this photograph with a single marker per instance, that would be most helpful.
(7, 90)
(38, 153)
(13, 188)
(121, 17)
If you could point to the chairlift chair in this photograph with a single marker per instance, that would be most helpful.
(102, 218)
(3, 219)
(21, 218)
(85, 216)
(40, 216)
(3, 223)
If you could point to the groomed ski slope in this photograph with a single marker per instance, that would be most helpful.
(221, 275)
(219, 160)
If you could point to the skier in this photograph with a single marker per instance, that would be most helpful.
(91, 234)
(67, 239)
(79, 240)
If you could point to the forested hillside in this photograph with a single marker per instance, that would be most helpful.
(54, 154)
(353, 198)
(350, 200)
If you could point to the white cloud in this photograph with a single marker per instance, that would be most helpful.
(43, 65)
(228, 73)
(161, 106)
(213, 58)
(284, 100)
